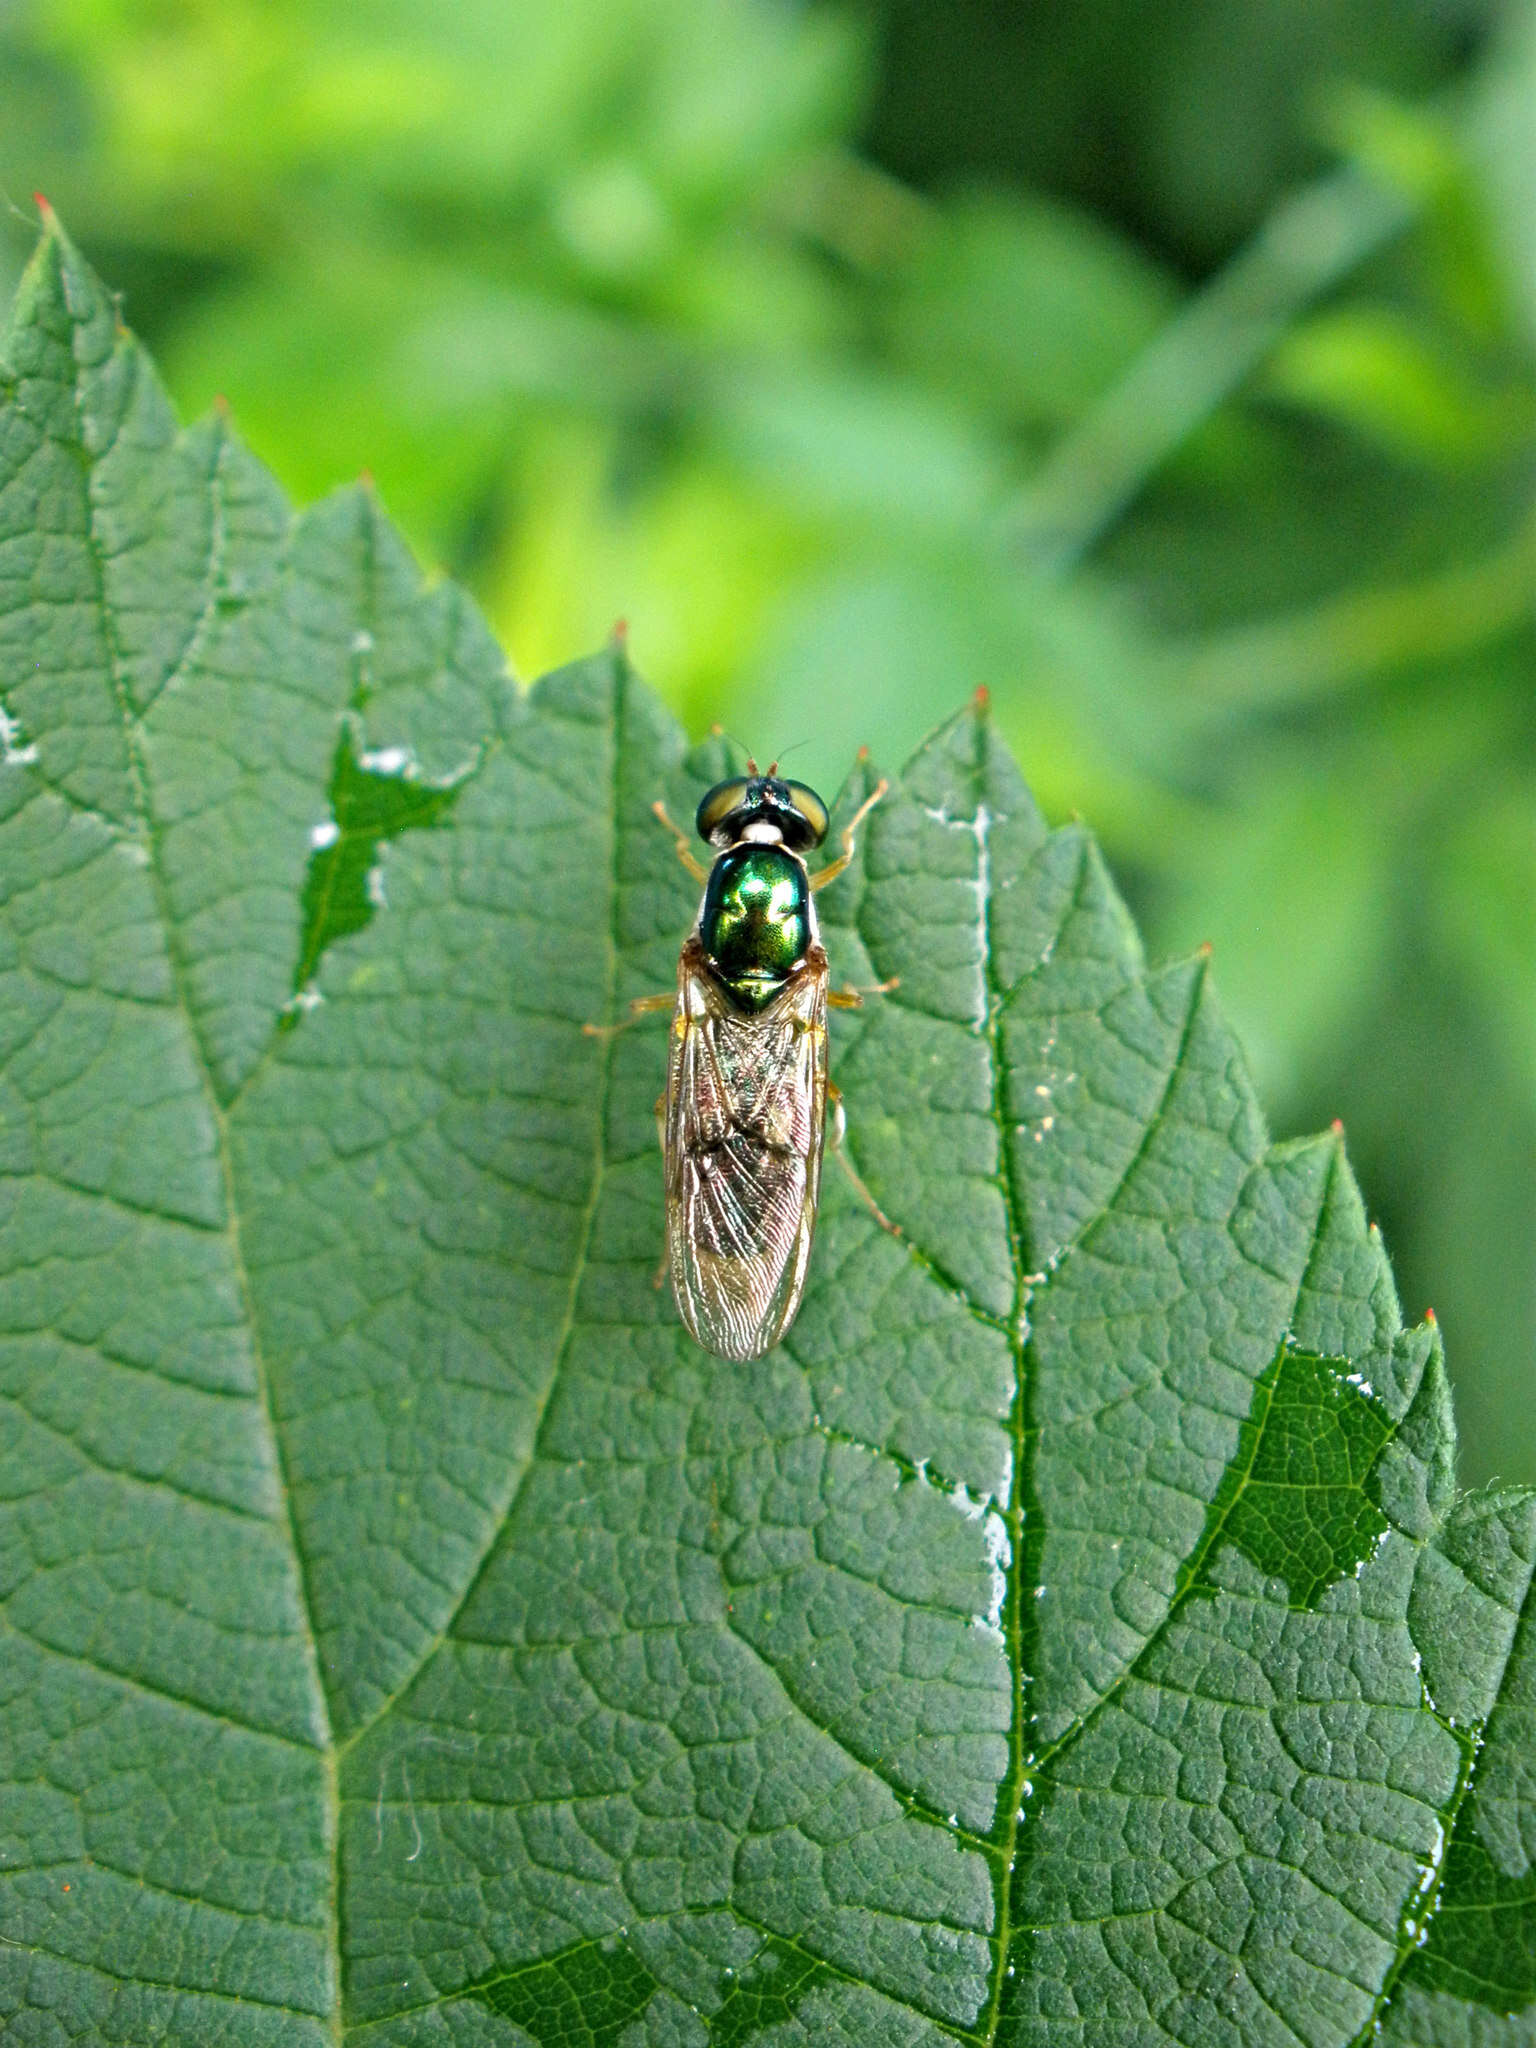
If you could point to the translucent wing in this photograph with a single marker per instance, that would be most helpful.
(745, 1116)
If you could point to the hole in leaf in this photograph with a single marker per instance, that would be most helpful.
(16, 750)
(1478, 1945)
(589, 1993)
(374, 797)
(1299, 1498)
(592, 1991)
(767, 1993)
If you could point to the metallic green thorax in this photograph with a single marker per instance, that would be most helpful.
(756, 921)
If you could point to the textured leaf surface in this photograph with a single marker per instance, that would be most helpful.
(1069, 1635)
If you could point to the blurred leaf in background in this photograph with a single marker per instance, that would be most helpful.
(1171, 371)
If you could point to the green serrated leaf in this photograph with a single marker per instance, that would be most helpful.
(1070, 1634)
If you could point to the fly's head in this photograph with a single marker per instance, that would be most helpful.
(762, 808)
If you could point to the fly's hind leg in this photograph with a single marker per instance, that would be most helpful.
(836, 1136)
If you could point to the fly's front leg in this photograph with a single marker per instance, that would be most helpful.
(685, 851)
(836, 867)
(642, 1006)
(839, 1131)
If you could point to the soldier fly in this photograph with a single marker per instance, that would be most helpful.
(742, 1122)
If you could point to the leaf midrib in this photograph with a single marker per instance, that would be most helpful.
(1023, 1500)
(141, 784)
(999, 1846)
(330, 1750)
(1022, 1514)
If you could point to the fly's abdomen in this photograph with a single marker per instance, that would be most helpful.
(746, 1103)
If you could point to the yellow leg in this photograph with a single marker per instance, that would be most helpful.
(642, 1006)
(834, 868)
(853, 998)
(840, 1153)
(685, 852)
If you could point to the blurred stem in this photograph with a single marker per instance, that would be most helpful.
(1349, 640)
(853, 208)
(1313, 239)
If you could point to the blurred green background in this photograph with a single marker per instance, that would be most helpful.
(1170, 370)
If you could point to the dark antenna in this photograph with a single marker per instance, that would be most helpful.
(785, 752)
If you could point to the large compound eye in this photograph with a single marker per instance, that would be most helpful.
(811, 808)
(717, 805)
